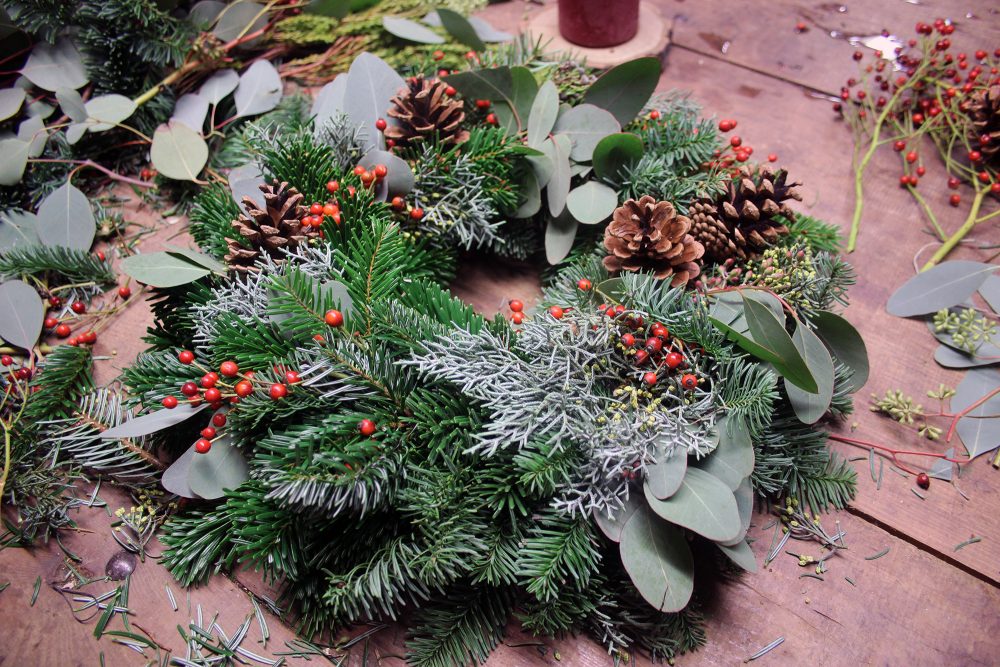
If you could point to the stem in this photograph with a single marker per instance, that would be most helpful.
(112, 174)
(962, 232)
(6, 460)
(891, 451)
(954, 421)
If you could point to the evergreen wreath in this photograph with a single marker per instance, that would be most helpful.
(372, 444)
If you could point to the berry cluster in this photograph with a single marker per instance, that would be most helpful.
(651, 346)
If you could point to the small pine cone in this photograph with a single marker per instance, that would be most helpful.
(423, 111)
(984, 114)
(277, 226)
(650, 235)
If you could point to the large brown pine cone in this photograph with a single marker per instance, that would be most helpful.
(423, 110)
(277, 226)
(648, 235)
(748, 218)
(984, 112)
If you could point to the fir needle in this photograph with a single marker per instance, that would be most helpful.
(878, 555)
(767, 649)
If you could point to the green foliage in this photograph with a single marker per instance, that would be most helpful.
(558, 552)
(819, 235)
(62, 266)
(212, 217)
(64, 378)
(460, 627)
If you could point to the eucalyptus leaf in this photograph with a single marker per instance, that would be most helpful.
(744, 503)
(55, 66)
(624, 90)
(75, 132)
(399, 179)
(495, 84)
(769, 333)
(152, 422)
(990, 291)
(221, 467)
(741, 554)
(72, 104)
(942, 469)
(191, 109)
(845, 343)
(107, 111)
(40, 109)
(952, 358)
(658, 561)
(664, 477)
(586, 125)
(259, 90)
(809, 407)
(218, 86)
(487, 32)
(612, 526)
(727, 308)
(542, 165)
(559, 235)
(32, 131)
(703, 503)
(201, 259)
(942, 286)
(592, 202)
(525, 92)
(178, 152)
(162, 269)
(371, 84)
(239, 19)
(328, 103)
(542, 117)
(411, 30)
(558, 150)
(334, 8)
(980, 428)
(530, 195)
(987, 352)
(204, 14)
(17, 229)
(175, 478)
(11, 100)
(733, 458)
(21, 314)
(245, 181)
(65, 219)
(15, 159)
(459, 28)
(614, 153)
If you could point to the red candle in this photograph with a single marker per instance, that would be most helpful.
(598, 23)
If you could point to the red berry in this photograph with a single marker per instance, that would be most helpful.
(904, 180)
(124, 291)
(517, 318)
(654, 344)
(292, 377)
(955, 200)
(170, 402)
(55, 301)
(911, 157)
(995, 188)
(358, 170)
(921, 170)
(79, 307)
(189, 389)
(51, 323)
(398, 203)
(219, 419)
(185, 357)
(725, 125)
(334, 318)
(974, 156)
(208, 432)
(380, 171)
(202, 445)
(380, 125)
(63, 331)
(649, 378)
(515, 305)
(6, 360)
(438, 55)
(583, 284)
(674, 359)
(858, 55)
(735, 141)
(801, 27)
(366, 427)
(73, 342)
(772, 157)
(689, 381)
(100, 255)
(367, 178)
(208, 380)
(628, 340)
(482, 104)
(332, 186)
(899, 146)
(641, 357)
(243, 388)
(923, 481)
(277, 391)
(330, 210)
(213, 395)
(316, 208)
(984, 176)
(953, 183)
(229, 369)
(556, 312)
(450, 91)
(416, 213)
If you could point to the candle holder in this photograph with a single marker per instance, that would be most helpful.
(598, 23)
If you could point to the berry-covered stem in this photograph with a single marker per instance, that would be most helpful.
(970, 222)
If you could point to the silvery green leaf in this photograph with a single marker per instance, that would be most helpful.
(624, 89)
(40, 109)
(658, 561)
(845, 343)
(980, 428)
(328, 103)
(557, 189)
(592, 202)
(203, 14)
(460, 28)
(72, 104)
(432, 19)
(664, 477)
(732, 460)
(943, 286)
(199, 258)
(21, 314)
(744, 503)
(530, 194)
(990, 291)
(612, 526)
(152, 422)
(75, 132)
(15, 159)
(178, 152)
(371, 84)
(175, 478)
(162, 269)
(219, 85)
(703, 504)
(399, 180)
(107, 111)
(11, 100)
(741, 554)
(191, 110)
(559, 235)
(222, 467)
(239, 19)
(18, 228)
(942, 469)
(245, 181)
(487, 32)
(259, 90)
(32, 130)
(55, 66)
(952, 358)
(809, 407)
(542, 117)
(66, 219)
(585, 125)
(410, 30)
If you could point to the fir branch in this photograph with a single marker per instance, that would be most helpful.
(559, 552)
(212, 217)
(460, 627)
(62, 266)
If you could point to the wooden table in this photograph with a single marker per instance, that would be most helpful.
(923, 603)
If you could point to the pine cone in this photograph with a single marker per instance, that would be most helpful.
(278, 225)
(423, 111)
(984, 112)
(650, 235)
(748, 218)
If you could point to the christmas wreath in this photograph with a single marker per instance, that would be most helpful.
(371, 443)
